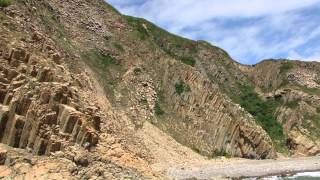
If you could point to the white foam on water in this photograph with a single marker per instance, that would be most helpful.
(307, 174)
(303, 174)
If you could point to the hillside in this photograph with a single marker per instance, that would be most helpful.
(87, 92)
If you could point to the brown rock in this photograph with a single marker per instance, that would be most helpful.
(81, 159)
(3, 156)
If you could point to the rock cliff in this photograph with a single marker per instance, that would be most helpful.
(80, 83)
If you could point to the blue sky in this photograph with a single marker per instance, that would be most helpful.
(250, 30)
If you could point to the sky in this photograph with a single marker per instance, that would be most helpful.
(250, 30)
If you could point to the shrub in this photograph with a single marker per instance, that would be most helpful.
(157, 109)
(195, 149)
(293, 104)
(137, 71)
(219, 153)
(263, 111)
(285, 67)
(137, 24)
(119, 47)
(182, 87)
(102, 60)
(5, 3)
(188, 60)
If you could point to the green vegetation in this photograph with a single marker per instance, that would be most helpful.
(219, 153)
(102, 60)
(112, 8)
(138, 25)
(173, 45)
(53, 26)
(145, 102)
(157, 109)
(293, 104)
(118, 47)
(182, 87)
(316, 120)
(285, 67)
(263, 112)
(312, 123)
(315, 91)
(106, 67)
(188, 60)
(137, 71)
(5, 3)
(195, 149)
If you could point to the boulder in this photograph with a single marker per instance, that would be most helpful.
(3, 156)
(81, 159)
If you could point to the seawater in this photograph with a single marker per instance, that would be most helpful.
(298, 176)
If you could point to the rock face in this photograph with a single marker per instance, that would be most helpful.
(50, 116)
(3, 156)
(203, 119)
(79, 82)
(295, 85)
(36, 106)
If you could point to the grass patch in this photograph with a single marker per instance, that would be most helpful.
(137, 71)
(316, 120)
(196, 150)
(102, 60)
(188, 60)
(305, 89)
(145, 102)
(118, 47)
(219, 153)
(112, 8)
(293, 104)
(106, 67)
(263, 112)
(182, 87)
(313, 125)
(157, 109)
(173, 45)
(285, 67)
(138, 26)
(5, 3)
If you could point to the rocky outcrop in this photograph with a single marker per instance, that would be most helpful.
(37, 108)
(200, 117)
(210, 121)
(3, 156)
(294, 85)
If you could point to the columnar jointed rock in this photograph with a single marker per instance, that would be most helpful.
(210, 122)
(36, 111)
(3, 156)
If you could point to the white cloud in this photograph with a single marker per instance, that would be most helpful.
(195, 12)
(250, 30)
(296, 56)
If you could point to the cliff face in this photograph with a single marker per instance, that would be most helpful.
(295, 85)
(79, 81)
(158, 77)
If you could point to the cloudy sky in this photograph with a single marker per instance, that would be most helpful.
(250, 30)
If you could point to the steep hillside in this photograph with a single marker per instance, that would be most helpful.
(100, 94)
(295, 86)
(154, 76)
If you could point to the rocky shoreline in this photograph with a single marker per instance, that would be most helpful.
(241, 168)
